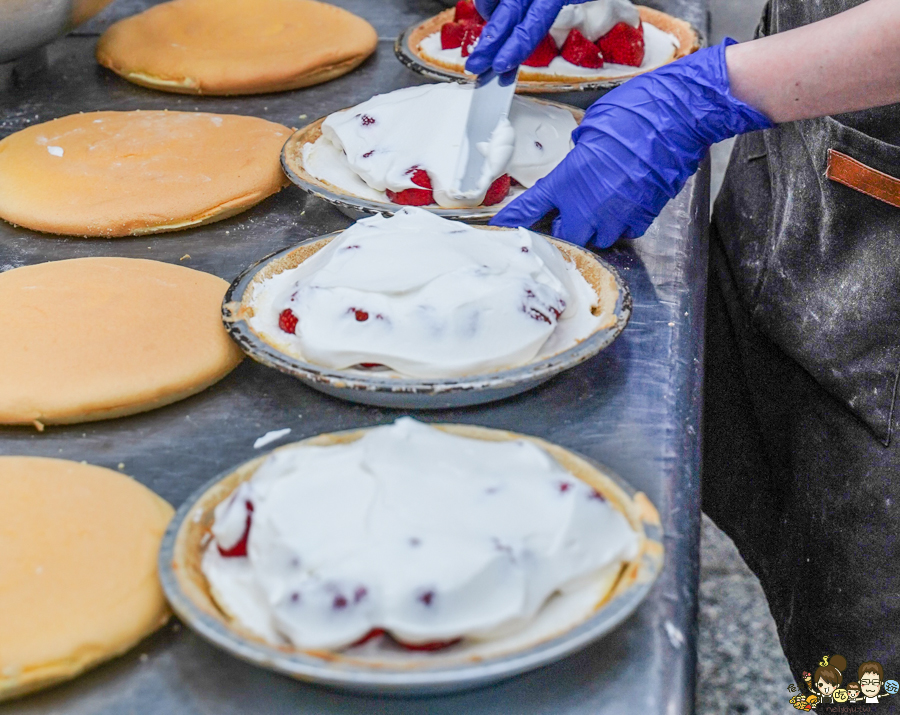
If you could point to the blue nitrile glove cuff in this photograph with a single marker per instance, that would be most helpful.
(635, 149)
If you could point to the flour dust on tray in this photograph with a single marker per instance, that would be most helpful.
(413, 535)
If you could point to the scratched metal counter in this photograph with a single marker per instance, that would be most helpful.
(634, 407)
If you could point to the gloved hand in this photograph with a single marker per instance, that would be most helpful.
(513, 30)
(635, 149)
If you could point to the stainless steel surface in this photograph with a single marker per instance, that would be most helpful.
(490, 105)
(407, 393)
(634, 407)
(444, 675)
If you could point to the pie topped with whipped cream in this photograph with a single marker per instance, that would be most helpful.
(407, 537)
(424, 297)
(403, 148)
(597, 41)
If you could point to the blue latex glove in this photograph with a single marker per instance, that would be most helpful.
(514, 29)
(635, 149)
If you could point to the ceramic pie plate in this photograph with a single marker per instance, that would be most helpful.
(408, 51)
(358, 207)
(387, 389)
(388, 669)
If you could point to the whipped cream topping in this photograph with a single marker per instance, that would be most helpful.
(593, 19)
(375, 145)
(428, 535)
(427, 297)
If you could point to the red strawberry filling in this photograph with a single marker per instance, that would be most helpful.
(543, 54)
(497, 191)
(452, 34)
(580, 51)
(374, 633)
(287, 321)
(240, 548)
(472, 33)
(465, 10)
(537, 309)
(414, 197)
(623, 45)
(434, 645)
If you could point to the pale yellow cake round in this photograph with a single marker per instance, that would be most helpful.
(79, 579)
(236, 47)
(109, 174)
(92, 338)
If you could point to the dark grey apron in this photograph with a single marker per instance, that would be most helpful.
(801, 464)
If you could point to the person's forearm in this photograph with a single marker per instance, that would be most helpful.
(845, 63)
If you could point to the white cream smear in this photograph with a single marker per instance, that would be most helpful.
(375, 145)
(427, 535)
(428, 297)
(593, 20)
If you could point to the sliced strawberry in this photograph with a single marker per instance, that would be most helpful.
(420, 177)
(411, 197)
(472, 33)
(434, 645)
(465, 10)
(240, 548)
(374, 633)
(497, 191)
(623, 45)
(543, 54)
(580, 51)
(287, 321)
(414, 197)
(452, 34)
(377, 632)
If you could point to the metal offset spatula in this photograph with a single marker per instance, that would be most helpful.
(490, 104)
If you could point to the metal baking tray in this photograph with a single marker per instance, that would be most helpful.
(635, 407)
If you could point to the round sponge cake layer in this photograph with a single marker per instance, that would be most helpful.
(236, 47)
(92, 338)
(112, 174)
(79, 579)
